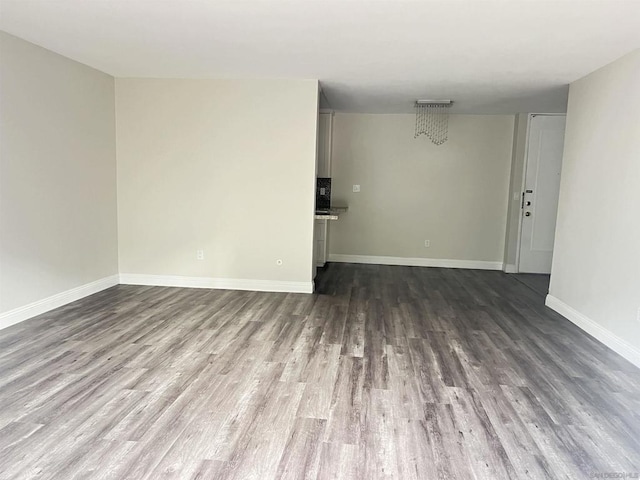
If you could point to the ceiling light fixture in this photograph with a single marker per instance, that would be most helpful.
(432, 120)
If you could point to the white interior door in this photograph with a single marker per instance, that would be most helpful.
(541, 189)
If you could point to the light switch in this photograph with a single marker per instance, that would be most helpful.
(356, 188)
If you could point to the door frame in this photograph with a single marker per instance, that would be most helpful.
(523, 179)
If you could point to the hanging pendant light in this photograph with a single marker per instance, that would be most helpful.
(432, 120)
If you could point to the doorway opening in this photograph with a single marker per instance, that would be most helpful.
(537, 190)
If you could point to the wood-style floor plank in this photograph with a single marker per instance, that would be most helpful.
(385, 373)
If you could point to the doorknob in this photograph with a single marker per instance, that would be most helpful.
(527, 214)
(528, 203)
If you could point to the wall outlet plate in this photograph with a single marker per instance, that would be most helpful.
(356, 188)
(427, 243)
(200, 254)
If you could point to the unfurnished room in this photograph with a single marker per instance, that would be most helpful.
(305, 239)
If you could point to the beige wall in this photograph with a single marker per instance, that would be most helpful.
(57, 174)
(596, 263)
(226, 166)
(454, 195)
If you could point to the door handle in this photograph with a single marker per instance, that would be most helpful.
(527, 214)
(528, 204)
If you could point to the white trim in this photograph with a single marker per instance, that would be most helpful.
(523, 180)
(547, 114)
(34, 309)
(594, 329)
(415, 262)
(510, 268)
(216, 283)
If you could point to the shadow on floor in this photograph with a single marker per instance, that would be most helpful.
(537, 282)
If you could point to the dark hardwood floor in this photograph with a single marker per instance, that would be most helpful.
(387, 372)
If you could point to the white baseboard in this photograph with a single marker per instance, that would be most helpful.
(216, 283)
(594, 329)
(415, 262)
(510, 268)
(46, 304)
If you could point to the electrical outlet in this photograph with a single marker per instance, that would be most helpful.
(279, 262)
(427, 243)
(200, 254)
(356, 188)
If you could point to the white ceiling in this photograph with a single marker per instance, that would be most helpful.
(371, 56)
